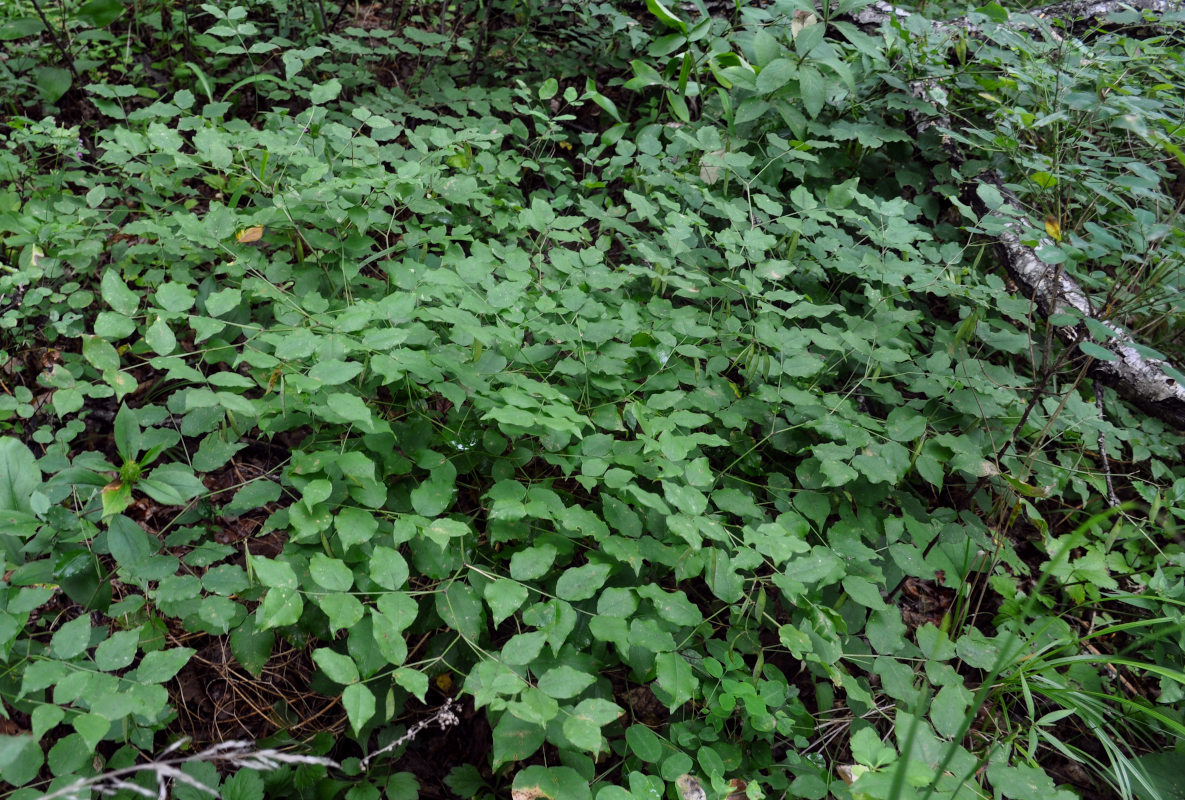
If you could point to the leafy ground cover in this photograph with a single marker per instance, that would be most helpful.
(583, 400)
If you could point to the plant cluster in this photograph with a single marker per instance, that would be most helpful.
(640, 379)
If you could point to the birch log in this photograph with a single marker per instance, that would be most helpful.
(1143, 381)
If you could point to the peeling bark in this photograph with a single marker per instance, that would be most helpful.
(1143, 381)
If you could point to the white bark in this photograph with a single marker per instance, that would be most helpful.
(1142, 381)
(1073, 14)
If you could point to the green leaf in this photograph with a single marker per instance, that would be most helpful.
(19, 478)
(581, 583)
(117, 295)
(127, 433)
(255, 494)
(948, 709)
(359, 704)
(532, 562)
(388, 568)
(271, 573)
(465, 780)
(280, 606)
(644, 743)
(92, 728)
(214, 452)
(515, 740)
(220, 614)
(1095, 351)
(990, 195)
(44, 718)
(563, 682)
(504, 597)
(813, 88)
(53, 82)
(72, 638)
(675, 684)
(331, 573)
(644, 76)
(461, 610)
(245, 784)
(1023, 782)
(548, 89)
(251, 647)
(664, 15)
(118, 650)
(523, 648)
(343, 610)
(864, 592)
(162, 665)
(322, 93)
(413, 680)
(403, 786)
(435, 495)
(175, 297)
(671, 606)
(160, 337)
(100, 353)
(583, 726)
(99, 13)
(223, 301)
(553, 783)
(333, 372)
(20, 759)
(338, 667)
(836, 473)
(775, 75)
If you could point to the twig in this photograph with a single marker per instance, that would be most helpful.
(445, 716)
(239, 753)
(1112, 498)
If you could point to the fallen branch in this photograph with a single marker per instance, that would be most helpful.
(1074, 14)
(167, 770)
(1142, 380)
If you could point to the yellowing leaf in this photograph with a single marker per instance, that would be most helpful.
(248, 235)
(1053, 227)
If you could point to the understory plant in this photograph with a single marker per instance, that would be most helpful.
(659, 401)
